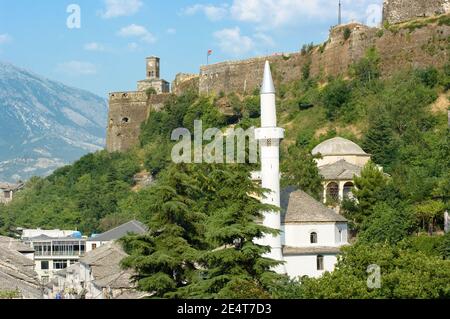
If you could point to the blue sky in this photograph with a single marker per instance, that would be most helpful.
(107, 52)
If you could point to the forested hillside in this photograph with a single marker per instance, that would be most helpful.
(401, 121)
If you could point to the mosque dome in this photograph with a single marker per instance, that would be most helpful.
(338, 146)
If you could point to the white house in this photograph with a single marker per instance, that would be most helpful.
(312, 234)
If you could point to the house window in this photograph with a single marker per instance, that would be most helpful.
(320, 262)
(59, 264)
(7, 194)
(333, 191)
(94, 246)
(348, 189)
(313, 238)
(44, 265)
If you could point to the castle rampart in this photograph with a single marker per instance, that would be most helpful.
(397, 11)
(399, 49)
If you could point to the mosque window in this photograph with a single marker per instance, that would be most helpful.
(320, 262)
(333, 191)
(313, 238)
(348, 189)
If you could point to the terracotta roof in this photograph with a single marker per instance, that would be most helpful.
(338, 146)
(341, 170)
(297, 207)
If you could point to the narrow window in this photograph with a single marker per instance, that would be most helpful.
(333, 191)
(320, 262)
(348, 189)
(313, 238)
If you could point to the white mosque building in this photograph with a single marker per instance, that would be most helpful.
(311, 233)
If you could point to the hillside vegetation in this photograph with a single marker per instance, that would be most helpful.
(394, 119)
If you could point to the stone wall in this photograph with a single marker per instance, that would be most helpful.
(426, 46)
(127, 112)
(184, 82)
(397, 11)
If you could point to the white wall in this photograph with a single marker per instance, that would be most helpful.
(306, 265)
(298, 235)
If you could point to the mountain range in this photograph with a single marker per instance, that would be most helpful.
(45, 124)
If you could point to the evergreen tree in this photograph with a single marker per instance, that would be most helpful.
(234, 266)
(369, 190)
(379, 141)
(300, 170)
(165, 258)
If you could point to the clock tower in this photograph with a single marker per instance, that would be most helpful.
(153, 68)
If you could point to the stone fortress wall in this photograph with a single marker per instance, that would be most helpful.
(396, 11)
(127, 112)
(399, 48)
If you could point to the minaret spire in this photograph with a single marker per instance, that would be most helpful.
(269, 137)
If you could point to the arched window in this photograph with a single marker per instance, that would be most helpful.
(320, 262)
(348, 189)
(125, 120)
(333, 191)
(313, 238)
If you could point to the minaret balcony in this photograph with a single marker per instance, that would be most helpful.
(269, 133)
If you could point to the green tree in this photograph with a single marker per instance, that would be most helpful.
(379, 140)
(387, 225)
(300, 170)
(165, 258)
(334, 96)
(405, 274)
(368, 68)
(234, 266)
(368, 191)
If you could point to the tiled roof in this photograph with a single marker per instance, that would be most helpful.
(133, 226)
(338, 146)
(297, 206)
(310, 250)
(341, 170)
(15, 244)
(16, 273)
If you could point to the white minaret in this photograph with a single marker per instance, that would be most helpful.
(269, 137)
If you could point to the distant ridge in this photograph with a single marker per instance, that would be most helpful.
(45, 124)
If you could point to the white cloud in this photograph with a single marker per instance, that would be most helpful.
(266, 14)
(75, 68)
(232, 42)
(119, 8)
(94, 46)
(213, 13)
(264, 39)
(137, 31)
(5, 38)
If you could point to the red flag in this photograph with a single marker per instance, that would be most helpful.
(210, 52)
